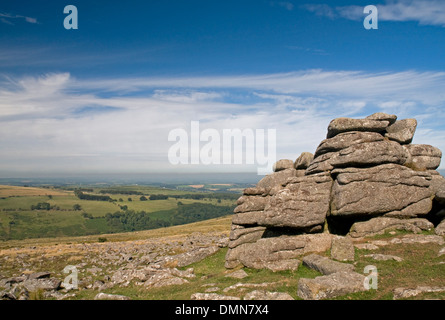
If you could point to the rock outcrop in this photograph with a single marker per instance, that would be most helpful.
(365, 178)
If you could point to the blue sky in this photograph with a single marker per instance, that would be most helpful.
(103, 98)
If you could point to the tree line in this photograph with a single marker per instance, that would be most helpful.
(86, 196)
(131, 220)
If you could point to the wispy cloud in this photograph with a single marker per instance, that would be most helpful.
(425, 12)
(58, 122)
(8, 18)
(321, 10)
(283, 4)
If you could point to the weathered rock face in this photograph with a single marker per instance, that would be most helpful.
(276, 179)
(340, 125)
(363, 179)
(354, 149)
(381, 224)
(283, 164)
(303, 161)
(330, 286)
(268, 252)
(385, 189)
(302, 203)
(391, 118)
(402, 131)
(423, 157)
(345, 140)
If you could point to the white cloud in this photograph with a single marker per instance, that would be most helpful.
(425, 12)
(57, 122)
(7, 17)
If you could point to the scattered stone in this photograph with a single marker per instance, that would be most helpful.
(212, 296)
(4, 295)
(164, 280)
(250, 285)
(106, 296)
(404, 293)
(282, 265)
(330, 286)
(441, 252)
(383, 257)
(342, 249)
(195, 255)
(418, 238)
(267, 295)
(325, 265)
(239, 274)
(33, 285)
(39, 275)
(366, 246)
(212, 289)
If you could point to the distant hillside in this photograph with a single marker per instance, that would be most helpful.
(30, 212)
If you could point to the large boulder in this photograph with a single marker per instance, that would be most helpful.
(240, 235)
(303, 161)
(251, 203)
(330, 286)
(391, 118)
(283, 164)
(345, 140)
(402, 131)
(276, 179)
(385, 189)
(423, 157)
(325, 265)
(440, 228)
(380, 225)
(266, 252)
(302, 203)
(366, 149)
(340, 125)
(342, 249)
(372, 153)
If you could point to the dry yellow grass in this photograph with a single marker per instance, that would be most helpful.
(196, 186)
(219, 225)
(9, 191)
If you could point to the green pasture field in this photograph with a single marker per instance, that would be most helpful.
(18, 221)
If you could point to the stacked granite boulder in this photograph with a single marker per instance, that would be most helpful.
(364, 169)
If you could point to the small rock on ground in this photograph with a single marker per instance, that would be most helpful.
(106, 296)
(267, 295)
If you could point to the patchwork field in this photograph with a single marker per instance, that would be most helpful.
(30, 212)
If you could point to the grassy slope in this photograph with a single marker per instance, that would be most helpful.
(421, 266)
